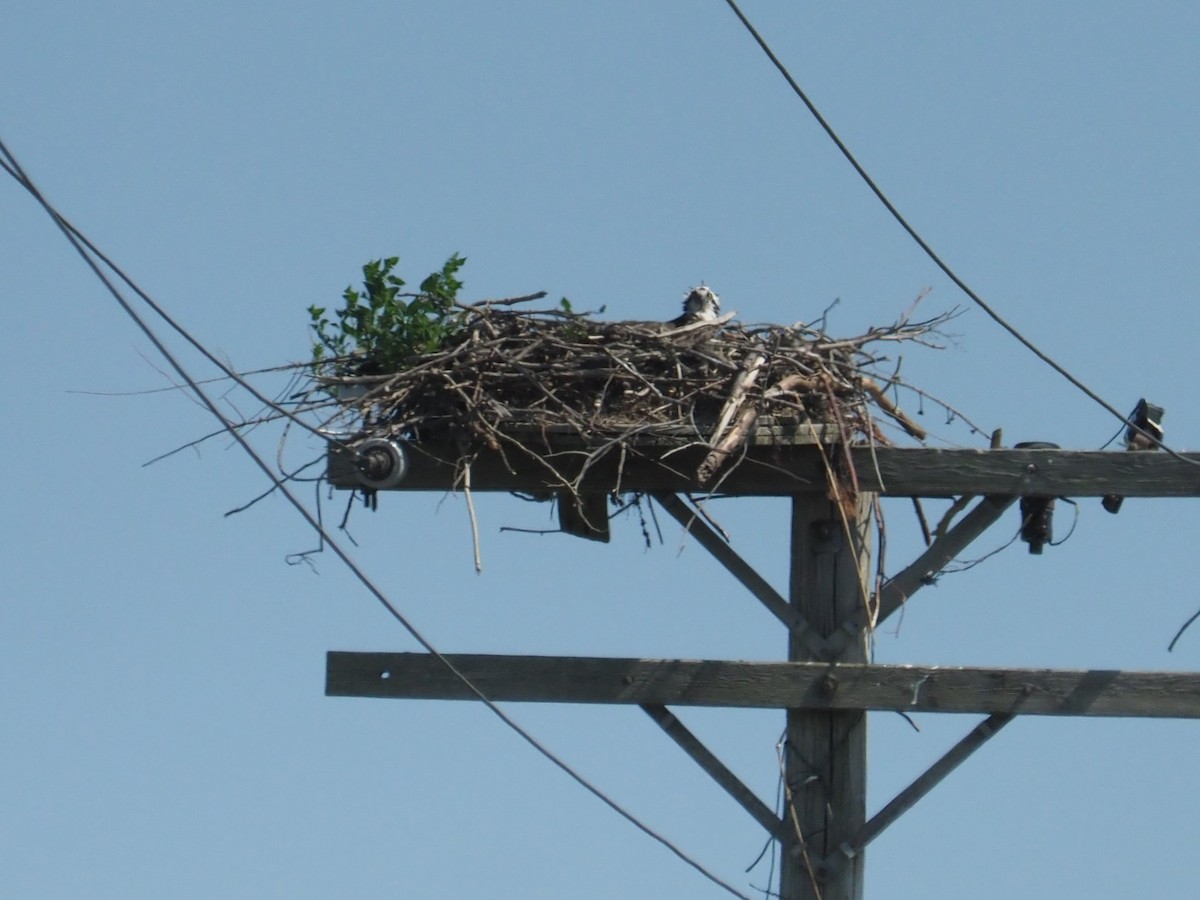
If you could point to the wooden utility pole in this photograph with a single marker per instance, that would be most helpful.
(827, 684)
(825, 752)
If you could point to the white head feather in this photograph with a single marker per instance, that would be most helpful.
(702, 303)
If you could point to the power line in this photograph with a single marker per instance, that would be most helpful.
(10, 165)
(86, 249)
(912, 232)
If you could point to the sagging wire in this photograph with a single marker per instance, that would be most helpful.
(93, 258)
(84, 247)
(925, 246)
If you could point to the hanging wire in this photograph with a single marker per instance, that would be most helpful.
(93, 257)
(85, 247)
(925, 246)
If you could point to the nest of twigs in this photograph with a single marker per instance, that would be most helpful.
(508, 371)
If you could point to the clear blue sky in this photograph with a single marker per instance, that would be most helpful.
(166, 734)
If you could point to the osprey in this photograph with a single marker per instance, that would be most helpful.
(701, 305)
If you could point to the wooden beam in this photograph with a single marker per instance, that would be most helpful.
(1055, 473)
(898, 589)
(908, 798)
(717, 770)
(768, 685)
(784, 470)
(433, 466)
(825, 750)
(720, 550)
(922, 571)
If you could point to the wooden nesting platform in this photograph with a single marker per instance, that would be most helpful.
(782, 466)
(778, 459)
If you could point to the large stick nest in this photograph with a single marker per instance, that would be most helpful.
(508, 371)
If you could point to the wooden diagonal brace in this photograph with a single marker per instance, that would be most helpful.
(923, 571)
(908, 798)
(716, 770)
(926, 567)
(743, 572)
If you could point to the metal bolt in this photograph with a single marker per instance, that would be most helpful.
(1030, 468)
(377, 464)
(829, 685)
(382, 463)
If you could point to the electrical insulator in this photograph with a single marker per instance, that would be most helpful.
(381, 463)
(1037, 522)
(1037, 513)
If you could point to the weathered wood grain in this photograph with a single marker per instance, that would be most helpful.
(825, 750)
(554, 679)
(716, 770)
(926, 567)
(908, 798)
(787, 469)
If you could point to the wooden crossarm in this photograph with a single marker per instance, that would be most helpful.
(792, 685)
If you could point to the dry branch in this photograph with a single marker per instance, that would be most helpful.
(545, 383)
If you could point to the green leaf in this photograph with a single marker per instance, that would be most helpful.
(378, 328)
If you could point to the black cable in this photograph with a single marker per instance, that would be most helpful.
(9, 164)
(912, 232)
(82, 246)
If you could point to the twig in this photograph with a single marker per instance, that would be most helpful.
(471, 516)
(1186, 625)
(920, 511)
(737, 393)
(884, 402)
(795, 820)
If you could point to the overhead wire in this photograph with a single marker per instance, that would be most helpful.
(91, 255)
(13, 168)
(922, 243)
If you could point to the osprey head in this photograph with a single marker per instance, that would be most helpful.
(702, 303)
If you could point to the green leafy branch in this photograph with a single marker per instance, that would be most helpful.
(380, 328)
